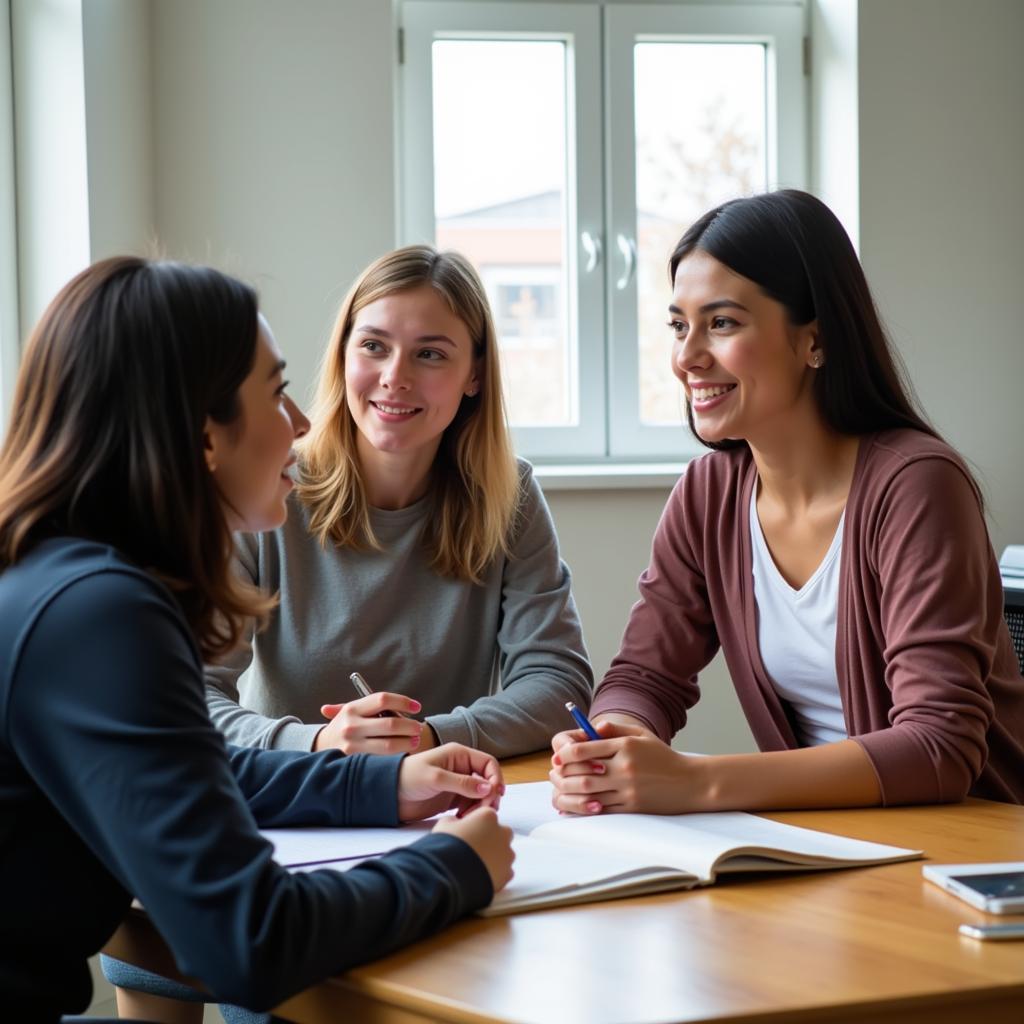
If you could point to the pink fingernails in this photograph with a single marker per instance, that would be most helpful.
(594, 806)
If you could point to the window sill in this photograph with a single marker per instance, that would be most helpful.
(608, 476)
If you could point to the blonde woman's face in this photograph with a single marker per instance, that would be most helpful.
(408, 365)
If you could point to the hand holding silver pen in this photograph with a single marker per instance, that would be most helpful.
(363, 689)
(374, 723)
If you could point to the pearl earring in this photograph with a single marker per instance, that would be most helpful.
(817, 360)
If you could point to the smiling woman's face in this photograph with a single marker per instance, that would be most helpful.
(408, 365)
(250, 458)
(745, 368)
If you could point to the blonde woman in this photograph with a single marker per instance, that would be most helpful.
(418, 552)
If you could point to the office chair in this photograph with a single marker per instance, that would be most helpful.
(1013, 609)
(1011, 568)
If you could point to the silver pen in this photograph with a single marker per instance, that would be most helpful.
(363, 689)
(360, 684)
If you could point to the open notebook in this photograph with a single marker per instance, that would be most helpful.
(561, 860)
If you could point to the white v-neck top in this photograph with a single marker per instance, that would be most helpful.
(796, 633)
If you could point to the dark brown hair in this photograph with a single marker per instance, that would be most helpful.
(106, 433)
(793, 247)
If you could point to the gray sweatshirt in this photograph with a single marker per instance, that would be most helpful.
(492, 664)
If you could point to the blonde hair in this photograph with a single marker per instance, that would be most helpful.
(474, 479)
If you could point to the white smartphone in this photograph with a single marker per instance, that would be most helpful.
(993, 932)
(996, 887)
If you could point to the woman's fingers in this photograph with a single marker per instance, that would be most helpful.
(383, 703)
(591, 750)
(392, 745)
(583, 768)
(563, 739)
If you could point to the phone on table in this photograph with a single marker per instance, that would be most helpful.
(997, 888)
(993, 932)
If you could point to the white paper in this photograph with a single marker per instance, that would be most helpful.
(302, 847)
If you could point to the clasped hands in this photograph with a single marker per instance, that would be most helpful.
(628, 769)
(377, 724)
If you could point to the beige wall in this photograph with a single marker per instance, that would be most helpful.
(118, 83)
(942, 219)
(275, 150)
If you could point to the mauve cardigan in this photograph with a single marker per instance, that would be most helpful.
(930, 684)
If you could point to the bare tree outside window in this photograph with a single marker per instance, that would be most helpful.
(700, 140)
(500, 170)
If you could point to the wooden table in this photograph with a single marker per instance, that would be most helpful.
(874, 944)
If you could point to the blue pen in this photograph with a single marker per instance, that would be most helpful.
(582, 721)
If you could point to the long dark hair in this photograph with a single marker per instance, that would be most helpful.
(793, 246)
(105, 439)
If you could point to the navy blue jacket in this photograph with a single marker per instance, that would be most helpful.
(114, 784)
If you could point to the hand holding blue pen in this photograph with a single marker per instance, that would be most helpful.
(582, 721)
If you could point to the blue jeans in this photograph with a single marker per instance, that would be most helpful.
(123, 975)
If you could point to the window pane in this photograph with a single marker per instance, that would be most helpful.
(700, 140)
(500, 197)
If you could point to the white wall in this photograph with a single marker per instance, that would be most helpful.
(118, 83)
(834, 113)
(274, 150)
(942, 219)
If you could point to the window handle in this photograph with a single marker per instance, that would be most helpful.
(628, 249)
(592, 247)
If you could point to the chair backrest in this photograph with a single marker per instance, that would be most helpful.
(1011, 568)
(1013, 609)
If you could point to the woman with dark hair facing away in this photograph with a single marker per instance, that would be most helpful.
(150, 420)
(832, 544)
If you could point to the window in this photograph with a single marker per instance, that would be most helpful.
(8, 245)
(564, 148)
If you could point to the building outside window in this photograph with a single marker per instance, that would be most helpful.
(564, 148)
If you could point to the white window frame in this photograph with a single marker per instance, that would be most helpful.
(578, 26)
(9, 321)
(599, 39)
(780, 28)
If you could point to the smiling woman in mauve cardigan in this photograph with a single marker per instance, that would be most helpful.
(832, 545)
